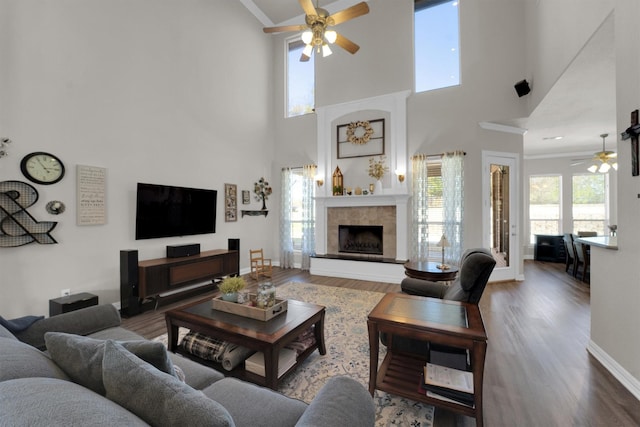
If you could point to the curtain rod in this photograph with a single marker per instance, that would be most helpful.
(297, 167)
(439, 155)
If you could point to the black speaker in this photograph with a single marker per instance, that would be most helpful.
(129, 283)
(177, 251)
(234, 245)
(522, 88)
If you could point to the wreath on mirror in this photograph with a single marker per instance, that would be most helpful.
(359, 132)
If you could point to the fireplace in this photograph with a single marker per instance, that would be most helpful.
(360, 239)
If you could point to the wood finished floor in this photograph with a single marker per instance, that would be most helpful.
(538, 371)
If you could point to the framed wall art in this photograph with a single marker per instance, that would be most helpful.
(361, 138)
(246, 197)
(91, 195)
(230, 202)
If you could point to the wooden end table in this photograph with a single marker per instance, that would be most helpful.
(430, 271)
(450, 323)
(268, 337)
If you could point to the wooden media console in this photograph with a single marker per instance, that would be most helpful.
(162, 275)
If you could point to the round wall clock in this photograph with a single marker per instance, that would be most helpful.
(42, 168)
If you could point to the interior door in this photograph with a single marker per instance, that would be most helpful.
(500, 207)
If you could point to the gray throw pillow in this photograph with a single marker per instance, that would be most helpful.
(156, 397)
(81, 357)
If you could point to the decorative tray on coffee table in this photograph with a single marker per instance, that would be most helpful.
(249, 310)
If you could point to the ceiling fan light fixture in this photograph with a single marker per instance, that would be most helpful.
(307, 36)
(331, 36)
(308, 50)
(326, 50)
(604, 157)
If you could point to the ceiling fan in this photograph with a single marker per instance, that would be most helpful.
(602, 161)
(316, 35)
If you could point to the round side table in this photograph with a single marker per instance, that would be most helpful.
(430, 271)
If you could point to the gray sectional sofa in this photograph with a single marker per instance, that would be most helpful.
(94, 372)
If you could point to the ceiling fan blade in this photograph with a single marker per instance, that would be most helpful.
(284, 28)
(346, 44)
(307, 6)
(349, 13)
(304, 58)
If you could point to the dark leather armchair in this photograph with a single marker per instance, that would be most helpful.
(475, 268)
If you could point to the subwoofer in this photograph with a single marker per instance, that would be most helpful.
(129, 283)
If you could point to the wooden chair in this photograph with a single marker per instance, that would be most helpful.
(259, 264)
(582, 258)
(571, 260)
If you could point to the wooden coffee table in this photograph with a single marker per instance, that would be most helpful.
(268, 337)
(450, 323)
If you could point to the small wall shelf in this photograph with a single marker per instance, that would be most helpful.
(255, 213)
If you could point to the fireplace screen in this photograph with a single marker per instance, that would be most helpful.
(360, 239)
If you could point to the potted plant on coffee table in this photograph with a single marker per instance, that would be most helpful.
(230, 286)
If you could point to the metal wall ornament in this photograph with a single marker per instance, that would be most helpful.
(55, 207)
(17, 226)
(4, 145)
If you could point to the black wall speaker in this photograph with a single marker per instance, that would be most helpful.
(522, 88)
(234, 245)
(129, 301)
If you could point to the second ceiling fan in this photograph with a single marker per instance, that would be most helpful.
(316, 35)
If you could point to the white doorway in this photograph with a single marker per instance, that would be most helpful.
(500, 212)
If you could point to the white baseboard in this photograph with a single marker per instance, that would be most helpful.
(626, 379)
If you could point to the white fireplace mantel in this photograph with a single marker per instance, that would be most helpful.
(395, 105)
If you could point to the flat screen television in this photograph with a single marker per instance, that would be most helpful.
(167, 211)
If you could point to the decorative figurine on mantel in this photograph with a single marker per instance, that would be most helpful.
(263, 191)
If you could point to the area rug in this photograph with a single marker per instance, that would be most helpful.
(347, 344)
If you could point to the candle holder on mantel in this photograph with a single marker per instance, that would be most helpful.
(337, 182)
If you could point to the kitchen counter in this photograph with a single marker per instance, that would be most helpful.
(607, 242)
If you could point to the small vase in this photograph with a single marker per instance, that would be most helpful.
(231, 297)
(378, 189)
(264, 205)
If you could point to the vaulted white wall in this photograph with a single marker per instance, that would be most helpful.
(437, 121)
(159, 91)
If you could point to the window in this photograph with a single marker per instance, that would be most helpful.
(437, 206)
(435, 209)
(436, 44)
(296, 208)
(589, 203)
(300, 81)
(544, 205)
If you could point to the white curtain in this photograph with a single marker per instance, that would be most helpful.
(419, 209)
(448, 222)
(308, 215)
(453, 203)
(286, 242)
